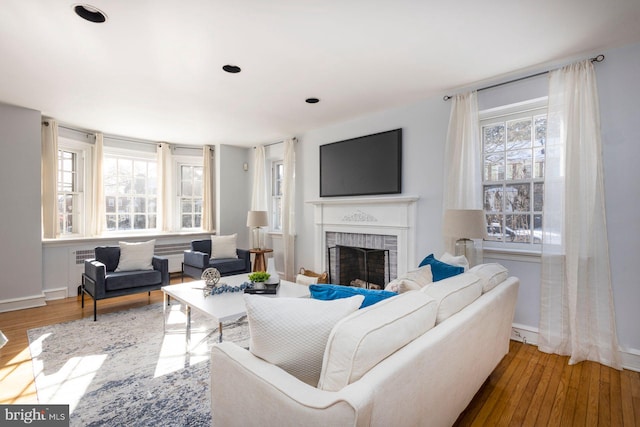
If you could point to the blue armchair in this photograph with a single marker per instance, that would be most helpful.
(198, 259)
(101, 281)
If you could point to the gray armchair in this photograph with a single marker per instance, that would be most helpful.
(101, 281)
(198, 259)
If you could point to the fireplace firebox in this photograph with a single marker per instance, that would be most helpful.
(363, 267)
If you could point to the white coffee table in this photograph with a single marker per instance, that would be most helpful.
(224, 307)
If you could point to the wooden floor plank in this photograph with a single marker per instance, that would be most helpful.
(520, 416)
(582, 398)
(570, 403)
(555, 415)
(519, 385)
(522, 390)
(615, 398)
(594, 395)
(544, 410)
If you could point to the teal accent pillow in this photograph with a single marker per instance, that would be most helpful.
(439, 269)
(331, 292)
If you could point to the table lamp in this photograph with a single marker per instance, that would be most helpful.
(256, 220)
(465, 224)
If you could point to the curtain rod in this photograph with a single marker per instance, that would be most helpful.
(278, 142)
(598, 58)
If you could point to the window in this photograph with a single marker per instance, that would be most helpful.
(513, 152)
(72, 167)
(130, 190)
(190, 196)
(70, 196)
(277, 177)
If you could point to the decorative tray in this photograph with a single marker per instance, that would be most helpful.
(268, 290)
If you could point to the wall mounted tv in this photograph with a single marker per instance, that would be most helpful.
(362, 166)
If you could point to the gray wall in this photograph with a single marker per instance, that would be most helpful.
(424, 132)
(21, 249)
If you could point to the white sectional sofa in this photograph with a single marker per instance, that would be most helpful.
(416, 359)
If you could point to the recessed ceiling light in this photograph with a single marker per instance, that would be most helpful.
(312, 100)
(233, 69)
(90, 13)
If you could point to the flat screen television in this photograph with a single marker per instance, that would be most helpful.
(368, 165)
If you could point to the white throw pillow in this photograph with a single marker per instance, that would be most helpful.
(491, 274)
(301, 279)
(224, 246)
(454, 293)
(292, 333)
(136, 256)
(458, 261)
(412, 280)
(366, 337)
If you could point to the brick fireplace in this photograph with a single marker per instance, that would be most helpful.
(383, 224)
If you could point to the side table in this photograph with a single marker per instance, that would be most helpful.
(259, 263)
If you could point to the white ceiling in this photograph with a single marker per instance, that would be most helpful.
(153, 70)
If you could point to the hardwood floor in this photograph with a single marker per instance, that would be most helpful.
(528, 388)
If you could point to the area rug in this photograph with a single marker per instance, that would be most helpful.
(130, 368)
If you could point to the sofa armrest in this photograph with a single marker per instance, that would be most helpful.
(95, 273)
(162, 265)
(196, 259)
(245, 389)
(95, 270)
(246, 256)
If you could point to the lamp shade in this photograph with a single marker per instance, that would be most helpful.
(464, 223)
(257, 219)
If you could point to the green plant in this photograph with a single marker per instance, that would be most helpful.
(259, 276)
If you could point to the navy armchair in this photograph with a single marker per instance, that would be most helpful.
(101, 281)
(198, 259)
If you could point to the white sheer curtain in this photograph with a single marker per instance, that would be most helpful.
(462, 162)
(97, 223)
(165, 205)
(288, 207)
(207, 191)
(259, 194)
(577, 315)
(49, 177)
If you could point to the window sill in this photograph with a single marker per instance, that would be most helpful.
(63, 241)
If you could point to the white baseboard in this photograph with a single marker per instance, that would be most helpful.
(58, 293)
(22, 303)
(529, 335)
(630, 359)
(525, 334)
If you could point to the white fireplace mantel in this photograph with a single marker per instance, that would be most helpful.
(394, 216)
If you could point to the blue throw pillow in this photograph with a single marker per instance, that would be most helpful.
(331, 292)
(441, 270)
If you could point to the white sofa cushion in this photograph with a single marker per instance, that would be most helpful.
(301, 279)
(224, 246)
(454, 293)
(491, 274)
(412, 280)
(136, 256)
(292, 333)
(364, 338)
